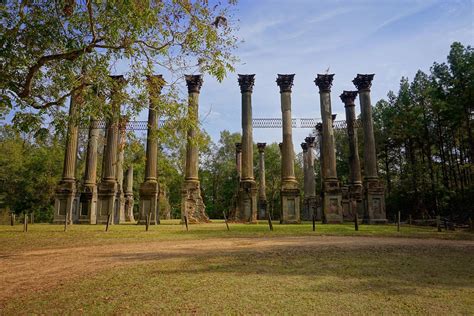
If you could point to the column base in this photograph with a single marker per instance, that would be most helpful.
(129, 203)
(192, 204)
(290, 203)
(332, 202)
(374, 202)
(88, 205)
(107, 191)
(119, 216)
(310, 207)
(64, 202)
(148, 203)
(262, 209)
(247, 202)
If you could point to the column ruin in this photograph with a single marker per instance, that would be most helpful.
(107, 188)
(374, 192)
(129, 201)
(290, 193)
(192, 205)
(355, 179)
(119, 215)
(88, 198)
(149, 190)
(247, 187)
(65, 193)
(332, 197)
(310, 200)
(262, 196)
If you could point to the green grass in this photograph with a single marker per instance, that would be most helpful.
(280, 279)
(43, 236)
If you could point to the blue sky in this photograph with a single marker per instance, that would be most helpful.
(391, 38)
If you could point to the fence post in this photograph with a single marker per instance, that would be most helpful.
(25, 223)
(108, 222)
(438, 223)
(186, 222)
(12, 219)
(270, 224)
(314, 222)
(409, 219)
(398, 222)
(65, 222)
(225, 220)
(356, 222)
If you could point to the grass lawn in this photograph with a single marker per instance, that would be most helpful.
(248, 270)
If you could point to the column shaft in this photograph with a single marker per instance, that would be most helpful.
(247, 143)
(69, 168)
(192, 152)
(287, 149)
(90, 175)
(348, 98)
(370, 159)
(262, 185)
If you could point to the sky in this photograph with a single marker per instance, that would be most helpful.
(391, 38)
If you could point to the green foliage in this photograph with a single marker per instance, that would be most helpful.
(425, 141)
(52, 49)
(29, 172)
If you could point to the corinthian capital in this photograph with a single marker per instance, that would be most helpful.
(155, 83)
(324, 82)
(348, 97)
(261, 147)
(363, 81)
(246, 83)
(304, 146)
(285, 82)
(194, 83)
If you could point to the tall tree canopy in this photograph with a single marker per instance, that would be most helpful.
(50, 49)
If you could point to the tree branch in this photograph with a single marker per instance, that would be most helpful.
(91, 19)
(72, 55)
(60, 100)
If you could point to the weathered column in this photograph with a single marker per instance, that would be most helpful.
(310, 200)
(129, 202)
(66, 190)
(238, 160)
(262, 196)
(374, 192)
(247, 188)
(88, 198)
(120, 197)
(319, 130)
(107, 188)
(290, 193)
(149, 190)
(355, 179)
(192, 205)
(331, 204)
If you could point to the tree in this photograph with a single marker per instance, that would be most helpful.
(51, 49)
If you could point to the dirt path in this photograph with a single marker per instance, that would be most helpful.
(43, 269)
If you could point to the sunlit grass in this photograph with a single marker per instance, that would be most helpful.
(40, 236)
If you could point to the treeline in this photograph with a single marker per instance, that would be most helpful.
(425, 140)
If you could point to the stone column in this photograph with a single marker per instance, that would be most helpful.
(247, 188)
(129, 202)
(374, 192)
(192, 204)
(88, 198)
(262, 196)
(355, 179)
(120, 197)
(149, 190)
(332, 198)
(290, 193)
(66, 190)
(107, 188)
(310, 200)
(238, 160)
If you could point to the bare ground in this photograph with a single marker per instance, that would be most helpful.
(39, 270)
